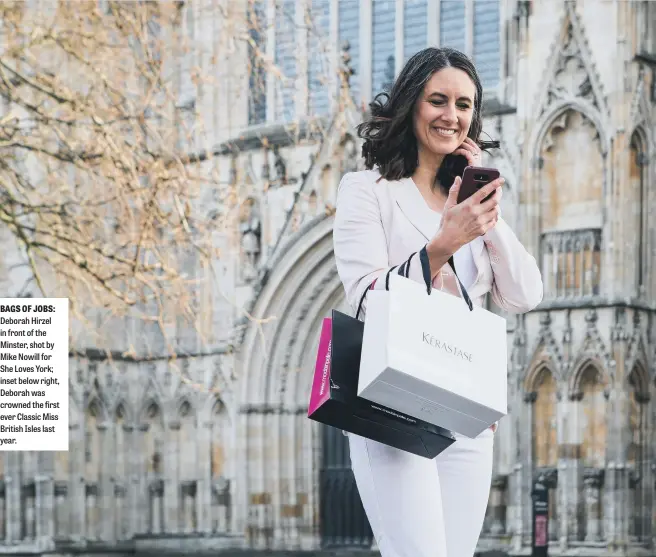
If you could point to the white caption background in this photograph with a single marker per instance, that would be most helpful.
(33, 374)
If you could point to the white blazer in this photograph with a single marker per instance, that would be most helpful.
(378, 225)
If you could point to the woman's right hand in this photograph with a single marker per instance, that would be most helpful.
(463, 222)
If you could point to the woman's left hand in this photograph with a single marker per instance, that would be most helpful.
(471, 151)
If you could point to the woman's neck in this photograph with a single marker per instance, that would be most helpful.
(424, 178)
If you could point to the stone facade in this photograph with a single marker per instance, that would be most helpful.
(216, 451)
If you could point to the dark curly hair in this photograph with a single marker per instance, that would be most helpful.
(389, 140)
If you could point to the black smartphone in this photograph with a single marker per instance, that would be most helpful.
(473, 179)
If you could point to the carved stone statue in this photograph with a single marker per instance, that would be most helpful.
(280, 166)
(250, 229)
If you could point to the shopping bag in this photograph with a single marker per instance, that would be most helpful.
(334, 400)
(427, 354)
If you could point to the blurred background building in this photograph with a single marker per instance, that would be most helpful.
(212, 449)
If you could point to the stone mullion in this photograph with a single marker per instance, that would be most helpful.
(498, 507)
(272, 470)
(580, 256)
(648, 483)
(616, 504)
(592, 481)
(293, 506)
(171, 480)
(523, 495)
(573, 474)
(569, 450)
(44, 493)
(204, 492)
(545, 262)
(77, 486)
(105, 529)
(632, 498)
(126, 507)
(554, 492)
(61, 510)
(128, 525)
(644, 474)
(561, 268)
(260, 498)
(13, 503)
(141, 510)
(243, 475)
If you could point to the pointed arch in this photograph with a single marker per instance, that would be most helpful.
(275, 370)
(123, 411)
(214, 403)
(217, 406)
(151, 409)
(590, 388)
(588, 367)
(544, 426)
(556, 111)
(546, 354)
(152, 390)
(571, 46)
(639, 388)
(185, 407)
(641, 136)
(537, 374)
(96, 408)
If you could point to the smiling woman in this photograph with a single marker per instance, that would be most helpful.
(437, 88)
(419, 139)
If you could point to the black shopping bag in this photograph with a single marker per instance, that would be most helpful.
(334, 400)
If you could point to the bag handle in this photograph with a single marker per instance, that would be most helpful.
(404, 270)
(425, 269)
(371, 287)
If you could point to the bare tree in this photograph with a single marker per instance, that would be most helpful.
(97, 183)
(91, 183)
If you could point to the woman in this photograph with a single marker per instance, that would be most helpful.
(416, 144)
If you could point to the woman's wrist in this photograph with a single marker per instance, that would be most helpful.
(439, 253)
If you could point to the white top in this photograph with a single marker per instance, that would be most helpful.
(465, 266)
(463, 258)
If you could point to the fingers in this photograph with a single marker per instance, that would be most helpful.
(487, 213)
(471, 146)
(494, 201)
(470, 150)
(486, 190)
(488, 219)
(454, 190)
(467, 154)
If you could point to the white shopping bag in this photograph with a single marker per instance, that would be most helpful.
(429, 356)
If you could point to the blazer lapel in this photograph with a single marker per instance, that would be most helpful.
(477, 247)
(413, 206)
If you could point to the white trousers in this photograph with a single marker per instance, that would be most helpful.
(424, 508)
